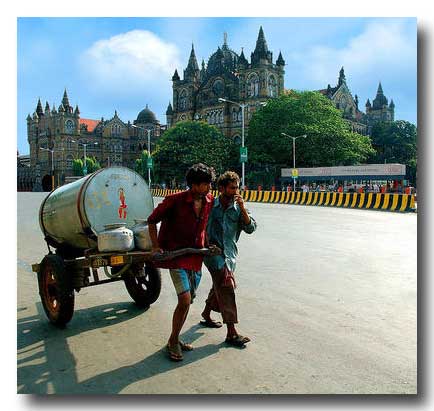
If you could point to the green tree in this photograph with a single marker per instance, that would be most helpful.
(329, 141)
(396, 142)
(92, 165)
(141, 165)
(190, 142)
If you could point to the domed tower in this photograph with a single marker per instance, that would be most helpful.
(146, 120)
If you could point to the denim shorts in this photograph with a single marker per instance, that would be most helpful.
(185, 280)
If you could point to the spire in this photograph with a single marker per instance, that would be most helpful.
(280, 61)
(225, 40)
(261, 49)
(39, 110)
(368, 103)
(380, 89)
(380, 99)
(242, 60)
(169, 110)
(47, 107)
(341, 77)
(53, 110)
(192, 62)
(65, 100)
(392, 104)
(77, 110)
(175, 76)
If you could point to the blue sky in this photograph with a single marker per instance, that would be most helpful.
(122, 64)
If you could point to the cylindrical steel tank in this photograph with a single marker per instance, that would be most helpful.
(74, 214)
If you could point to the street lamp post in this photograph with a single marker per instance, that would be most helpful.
(52, 164)
(85, 145)
(148, 130)
(243, 106)
(293, 149)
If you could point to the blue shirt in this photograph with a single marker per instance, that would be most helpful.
(224, 229)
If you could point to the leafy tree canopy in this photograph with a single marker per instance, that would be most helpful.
(190, 142)
(329, 141)
(92, 164)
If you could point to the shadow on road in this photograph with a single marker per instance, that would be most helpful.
(53, 366)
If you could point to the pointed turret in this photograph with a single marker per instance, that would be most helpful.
(77, 110)
(65, 100)
(175, 76)
(53, 110)
(29, 118)
(47, 108)
(280, 61)
(261, 50)
(380, 99)
(341, 79)
(169, 110)
(368, 104)
(39, 110)
(192, 67)
(242, 61)
(392, 104)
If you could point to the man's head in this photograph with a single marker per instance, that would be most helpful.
(229, 184)
(199, 178)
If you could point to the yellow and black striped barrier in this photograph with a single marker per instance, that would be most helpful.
(373, 201)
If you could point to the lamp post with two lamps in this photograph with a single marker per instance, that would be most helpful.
(243, 151)
(149, 164)
(293, 150)
(85, 145)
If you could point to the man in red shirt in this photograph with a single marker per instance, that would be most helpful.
(183, 217)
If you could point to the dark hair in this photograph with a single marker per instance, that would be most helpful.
(199, 173)
(228, 177)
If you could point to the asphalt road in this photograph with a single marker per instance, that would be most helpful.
(328, 297)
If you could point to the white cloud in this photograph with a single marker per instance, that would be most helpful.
(138, 58)
(383, 45)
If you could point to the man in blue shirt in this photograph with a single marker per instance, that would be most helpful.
(227, 219)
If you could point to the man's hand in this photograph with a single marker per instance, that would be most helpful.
(240, 201)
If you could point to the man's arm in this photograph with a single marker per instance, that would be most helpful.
(154, 237)
(248, 222)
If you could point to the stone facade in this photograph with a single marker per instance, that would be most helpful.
(64, 133)
(230, 76)
(358, 121)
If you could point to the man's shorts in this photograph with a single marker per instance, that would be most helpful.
(185, 280)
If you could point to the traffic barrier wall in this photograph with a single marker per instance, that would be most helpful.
(373, 201)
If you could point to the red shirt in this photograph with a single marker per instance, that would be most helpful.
(181, 228)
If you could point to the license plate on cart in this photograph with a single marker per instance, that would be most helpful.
(116, 260)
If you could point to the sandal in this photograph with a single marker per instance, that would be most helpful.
(237, 340)
(174, 352)
(185, 346)
(211, 323)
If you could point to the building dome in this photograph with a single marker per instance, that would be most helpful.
(146, 116)
(223, 59)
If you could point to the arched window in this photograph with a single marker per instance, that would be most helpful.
(183, 100)
(253, 85)
(272, 86)
(234, 115)
(237, 139)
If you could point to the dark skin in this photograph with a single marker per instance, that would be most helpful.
(229, 195)
(198, 191)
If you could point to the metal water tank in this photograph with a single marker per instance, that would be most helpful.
(74, 214)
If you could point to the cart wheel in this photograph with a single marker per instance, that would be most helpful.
(56, 295)
(143, 284)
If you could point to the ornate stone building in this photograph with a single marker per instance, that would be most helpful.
(230, 76)
(359, 122)
(64, 133)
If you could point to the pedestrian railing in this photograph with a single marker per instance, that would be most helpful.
(372, 201)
